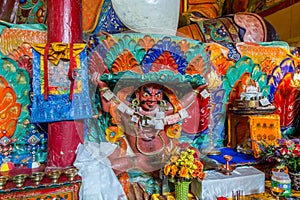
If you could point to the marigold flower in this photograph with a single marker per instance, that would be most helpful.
(184, 166)
(183, 172)
(196, 173)
(199, 165)
(174, 170)
(201, 176)
(167, 169)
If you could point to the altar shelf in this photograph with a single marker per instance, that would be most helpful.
(247, 180)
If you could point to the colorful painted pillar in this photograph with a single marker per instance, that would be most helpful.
(64, 25)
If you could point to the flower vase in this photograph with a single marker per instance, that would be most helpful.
(295, 180)
(182, 190)
(280, 168)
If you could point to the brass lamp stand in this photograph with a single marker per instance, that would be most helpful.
(211, 149)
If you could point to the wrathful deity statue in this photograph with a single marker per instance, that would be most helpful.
(146, 123)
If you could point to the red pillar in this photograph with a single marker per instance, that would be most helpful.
(64, 25)
(64, 21)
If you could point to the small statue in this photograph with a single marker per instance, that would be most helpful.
(250, 100)
(251, 91)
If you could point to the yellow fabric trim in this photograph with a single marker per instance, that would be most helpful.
(59, 51)
(264, 128)
(77, 90)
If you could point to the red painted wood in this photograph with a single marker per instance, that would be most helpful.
(63, 139)
(278, 7)
(64, 21)
(64, 25)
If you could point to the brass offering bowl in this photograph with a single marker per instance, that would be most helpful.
(3, 181)
(71, 173)
(277, 192)
(19, 179)
(226, 169)
(54, 175)
(37, 177)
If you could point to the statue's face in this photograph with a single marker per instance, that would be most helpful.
(150, 96)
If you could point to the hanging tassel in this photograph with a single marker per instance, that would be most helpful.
(46, 78)
(71, 73)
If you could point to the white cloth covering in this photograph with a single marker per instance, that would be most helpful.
(248, 180)
(149, 16)
(99, 181)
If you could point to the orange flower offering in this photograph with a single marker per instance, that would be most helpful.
(184, 166)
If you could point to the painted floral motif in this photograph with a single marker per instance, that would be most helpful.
(197, 59)
(196, 66)
(32, 12)
(222, 64)
(125, 42)
(221, 31)
(285, 101)
(9, 109)
(164, 61)
(125, 61)
(146, 42)
(259, 52)
(12, 39)
(164, 45)
(14, 96)
(25, 62)
(282, 93)
(113, 133)
(108, 21)
(184, 45)
(268, 65)
(22, 50)
(174, 131)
